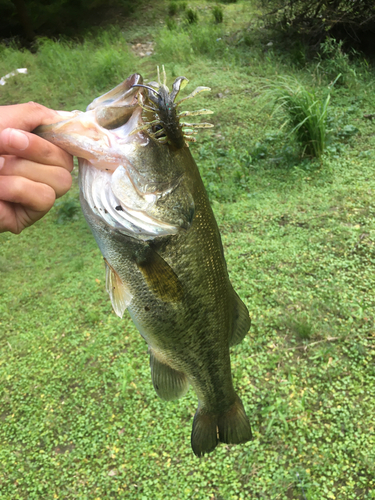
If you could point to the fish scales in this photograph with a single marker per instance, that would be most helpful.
(164, 258)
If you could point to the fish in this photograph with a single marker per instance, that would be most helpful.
(144, 200)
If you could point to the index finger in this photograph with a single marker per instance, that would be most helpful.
(28, 116)
(33, 148)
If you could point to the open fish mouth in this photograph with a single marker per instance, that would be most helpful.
(114, 189)
(133, 195)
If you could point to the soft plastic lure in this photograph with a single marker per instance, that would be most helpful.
(162, 120)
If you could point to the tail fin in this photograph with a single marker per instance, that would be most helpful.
(231, 427)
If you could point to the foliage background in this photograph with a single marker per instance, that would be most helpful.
(79, 418)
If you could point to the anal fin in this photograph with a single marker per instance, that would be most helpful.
(241, 321)
(119, 293)
(168, 383)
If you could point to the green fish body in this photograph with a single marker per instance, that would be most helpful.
(144, 200)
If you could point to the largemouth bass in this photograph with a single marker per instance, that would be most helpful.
(144, 200)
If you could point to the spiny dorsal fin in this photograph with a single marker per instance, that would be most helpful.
(161, 278)
(118, 292)
(241, 321)
(168, 383)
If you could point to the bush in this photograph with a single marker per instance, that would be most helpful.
(35, 18)
(314, 20)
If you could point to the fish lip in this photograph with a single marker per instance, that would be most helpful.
(116, 95)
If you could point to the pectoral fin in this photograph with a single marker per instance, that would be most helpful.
(168, 383)
(241, 321)
(118, 292)
(161, 278)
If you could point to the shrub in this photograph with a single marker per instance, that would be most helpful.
(314, 20)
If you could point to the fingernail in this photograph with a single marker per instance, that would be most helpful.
(65, 114)
(2, 161)
(18, 140)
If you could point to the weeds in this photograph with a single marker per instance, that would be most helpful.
(67, 210)
(183, 45)
(218, 14)
(306, 114)
(172, 8)
(333, 61)
(191, 16)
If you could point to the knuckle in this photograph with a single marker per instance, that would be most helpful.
(63, 181)
(36, 107)
(46, 150)
(19, 188)
(17, 229)
(47, 197)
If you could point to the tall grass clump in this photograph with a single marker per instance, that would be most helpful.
(191, 16)
(305, 113)
(218, 14)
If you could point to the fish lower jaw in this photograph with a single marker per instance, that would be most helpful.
(109, 196)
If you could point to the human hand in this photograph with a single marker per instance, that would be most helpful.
(33, 172)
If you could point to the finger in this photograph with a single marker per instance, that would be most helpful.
(33, 148)
(8, 221)
(28, 116)
(58, 178)
(15, 217)
(33, 195)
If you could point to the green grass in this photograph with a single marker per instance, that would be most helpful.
(306, 114)
(79, 417)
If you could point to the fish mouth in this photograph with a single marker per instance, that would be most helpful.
(124, 197)
(103, 133)
(108, 140)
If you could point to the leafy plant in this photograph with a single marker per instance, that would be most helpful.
(301, 326)
(347, 131)
(171, 24)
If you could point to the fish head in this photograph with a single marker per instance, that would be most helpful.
(134, 158)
